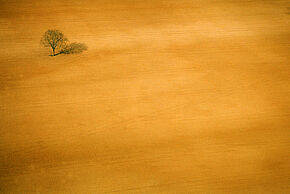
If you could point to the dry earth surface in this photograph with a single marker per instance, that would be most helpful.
(187, 96)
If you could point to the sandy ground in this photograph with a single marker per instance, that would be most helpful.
(171, 97)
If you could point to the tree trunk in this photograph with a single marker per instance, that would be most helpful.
(53, 50)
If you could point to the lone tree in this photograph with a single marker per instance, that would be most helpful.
(54, 39)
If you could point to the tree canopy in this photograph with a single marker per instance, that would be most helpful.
(54, 39)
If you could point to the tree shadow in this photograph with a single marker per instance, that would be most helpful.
(74, 48)
(55, 54)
